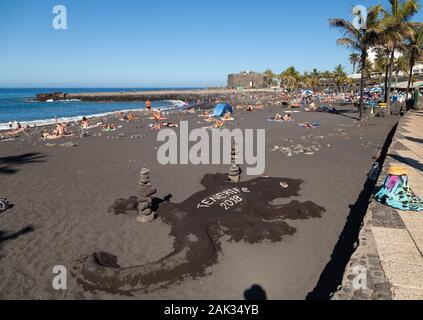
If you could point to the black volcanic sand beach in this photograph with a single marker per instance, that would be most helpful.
(278, 238)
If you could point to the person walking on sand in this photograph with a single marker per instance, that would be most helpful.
(148, 105)
(85, 123)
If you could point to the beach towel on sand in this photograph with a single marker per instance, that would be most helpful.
(279, 121)
(397, 194)
(274, 120)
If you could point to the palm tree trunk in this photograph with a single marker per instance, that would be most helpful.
(386, 82)
(391, 70)
(362, 82)
(410, 77)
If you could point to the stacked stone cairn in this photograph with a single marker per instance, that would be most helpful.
(145, 200)
(234, 171)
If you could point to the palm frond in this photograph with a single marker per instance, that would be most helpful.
(348, 43)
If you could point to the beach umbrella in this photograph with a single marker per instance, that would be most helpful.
(222, 108)
(307, 93)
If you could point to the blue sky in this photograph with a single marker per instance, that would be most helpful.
(165, 43)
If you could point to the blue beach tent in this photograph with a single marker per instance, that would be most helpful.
(222, 108)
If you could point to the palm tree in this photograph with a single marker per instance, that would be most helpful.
(360, 41)
(380, 65)
(401, 66)
(396, 26)
(368, 69)
(414, 47)
(326, 75)
(305, 80)
(354, 60)
(315, 73)
(290, 78)
(315, 77)
(270, 77)
(340, 77)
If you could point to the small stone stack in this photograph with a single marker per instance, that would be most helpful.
(145, 200)
(234, 171)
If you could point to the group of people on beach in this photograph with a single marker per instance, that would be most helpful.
(285, 118)
(58, 132)
(246, 101)
(16, 129)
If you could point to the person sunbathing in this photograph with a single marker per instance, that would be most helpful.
(170, 125)
(159, 126)
(59, 131)
(131, 117)
(109, 127)
(309, 125)
(157, 115)
(312, 107)
(219, 124)
(155, 126)
(287, 118)
(278, 117)
(19, 129)
(227, 116)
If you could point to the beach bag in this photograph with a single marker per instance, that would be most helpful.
(396, 192)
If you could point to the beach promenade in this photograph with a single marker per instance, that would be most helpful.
(391, 241)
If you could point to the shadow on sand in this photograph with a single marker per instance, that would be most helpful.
(8, 164)
(415, 139)
(333, 273)
(350, 114)
(6, 236)
(255, 293)
(408, 161)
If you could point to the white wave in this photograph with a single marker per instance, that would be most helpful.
(174, 104)
(46, 122)
(178, 104)
(68, 100)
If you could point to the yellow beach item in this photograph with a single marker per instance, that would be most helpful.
(397, 171)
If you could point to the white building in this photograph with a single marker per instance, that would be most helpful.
(417, 69)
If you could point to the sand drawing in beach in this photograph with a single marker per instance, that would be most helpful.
(222, 212)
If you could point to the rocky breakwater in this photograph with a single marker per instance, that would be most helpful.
(43, 97)
(197, 96)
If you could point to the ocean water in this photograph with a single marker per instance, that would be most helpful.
(19, 105)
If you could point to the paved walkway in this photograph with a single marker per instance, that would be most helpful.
(390, 244)
(399, 243)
